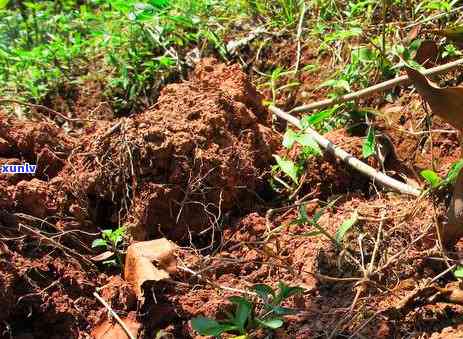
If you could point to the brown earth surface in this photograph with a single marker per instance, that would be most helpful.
(195, 168)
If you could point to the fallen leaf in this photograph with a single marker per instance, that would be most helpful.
(112, 330)
(103, 256)
(448, 104)
(148, 261)
(444, 102)
(412, 34)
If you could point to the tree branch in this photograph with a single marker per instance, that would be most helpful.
(383, 86)
(379, 177)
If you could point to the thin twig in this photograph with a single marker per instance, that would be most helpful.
(213, 284)
(383, 86)
(349, 158)
(375, 249)
(114, 314)
(58, 245)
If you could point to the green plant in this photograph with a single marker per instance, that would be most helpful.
(111, 241)
(293, 169)
(433, 5)
(369, 144)
(435, 181)
(303, 219)
(276, 77)
(450, 51)
(280, 13)
(249, 315)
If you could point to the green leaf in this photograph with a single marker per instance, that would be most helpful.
(280, 310)
(263, 291)
(272, 323)
(289, 138)
(431, 178)
(106, 234)
(159, 3)
(122, 6)
(99, 243)
(317, 118)
(345, 226)
(454, 171)
(337, 84)
(306, 140)
(286, 291)
(302, 217)
(368, 147)
(243, 311)
(458, 273)
(288, 167)
(3, 3)
(210, 327)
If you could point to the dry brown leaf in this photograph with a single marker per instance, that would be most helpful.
(112, 330)
(148, 261)
(102, 256)
(448, 104)
(412, 35)
(444, 102)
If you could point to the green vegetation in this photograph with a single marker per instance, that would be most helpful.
(294, 169)
(248, 315)
(111, 241)
(435, 181)
(132, 47)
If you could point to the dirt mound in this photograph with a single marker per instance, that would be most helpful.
(199, 153)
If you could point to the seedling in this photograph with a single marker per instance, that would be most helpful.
(369, 144)
(111, 241)
(249, 315)
(294, 169)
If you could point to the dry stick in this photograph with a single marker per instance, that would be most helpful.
(383, 86)
(348, 158)
(114, 314)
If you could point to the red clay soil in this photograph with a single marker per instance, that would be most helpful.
(201, 151)
(197, 164)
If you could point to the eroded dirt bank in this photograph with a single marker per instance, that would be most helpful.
(201, 152)
(195, 168)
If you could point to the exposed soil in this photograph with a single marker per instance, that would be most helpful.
(201, 151)
(195, 169)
